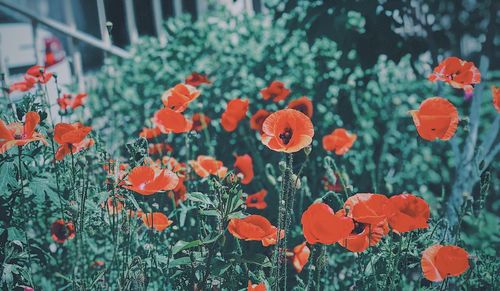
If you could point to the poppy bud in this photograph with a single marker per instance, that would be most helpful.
(296, 181)
(307, 150)
(282, 166)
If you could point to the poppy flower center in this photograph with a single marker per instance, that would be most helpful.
(60, 231)
(358, 228)
(254, 200)
(286, 135)
(18, 136)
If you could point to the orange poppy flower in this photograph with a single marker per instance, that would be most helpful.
(287, 131)
(18, 134)
(200, 121)
(302, 104)
(150, 133)
(257, 120)
(62, 231)
(70, 101)
(254, 227)
(368, 208)
(495, 92)
(174, 165)
(196, 79)
(22, 86)
(168, 120)
(458, 73)
(71, 138)
(256, 200)
(179, 97)
(156, 220)
(436, 118)
(410, 212)
(340, 141)
(256, 287)
(363, 235)
(205, 166)
(236, 111)
(321, 225)
(37, 74)
(244, 168)
(299, 256)
(147, 180)
(178, 194)
(439, 262)
(159, 148)
(276, 91)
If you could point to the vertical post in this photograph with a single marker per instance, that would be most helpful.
(73, 48)
(131, 24)
(158, 21)
(101, 14)
(177, 7)
(248, 7)
(201, 7)
(36, 44)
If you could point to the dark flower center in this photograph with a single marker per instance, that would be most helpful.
(286, 135)
(254, 200)
(358, 228)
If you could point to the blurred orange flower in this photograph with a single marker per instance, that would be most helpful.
(302, 104)
(257, 120)
(72, 138)
(236, 111)
(275, 91)
(62, 231)
(256, 200)
(22, 86)
(254, 227)
(458, 73)
(287, 131)
(340, 141)
(168, 120)
(410, 212)
(206, 165)
(196, 79)
(439, 262)
(156, 220)
(256, 287)
(71, 101)
(299, 256)
(436, 118)
(244, 168)
(178, 194)
(200, 121)
(37, 74)
(179, 97)
(18, 134)
(159, 148)
(321, 225)
(495, 92)
(368, 208)
(147, 180)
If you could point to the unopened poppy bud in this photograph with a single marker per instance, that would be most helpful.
(296, 181)
(307, 150)
(282, 166)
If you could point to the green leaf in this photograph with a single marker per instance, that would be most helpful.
(179, 262)
(210, 212)
(7, 177)
(200, 198)
(257, 259)
(183, 245)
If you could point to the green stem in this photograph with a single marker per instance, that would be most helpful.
(26, 217)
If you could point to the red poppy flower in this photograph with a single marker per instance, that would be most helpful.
(71, 138)
(495, 92)
(150, 133)
(18, 134)
(37, 74)
(168, 120)
(62, 231)
(179, 97)
(363, 235)
(321, 225)
(256, 200)
(276, 91)
(73, 102)
(236, 111)
(340, 141)
(244, 168)
(149, 180)
(439, 262)
(368, 208)
(329, 186)
(436, 118)
(205, 166)
(458, 73)
(303, 104)
(256, 287)
(299, 256)
(254, 227)
(257, 120)
(410, 212)
(175, 166)
(287, 131)
(196, 79)
(156, 220)
(159, 148)
(22, 86)
(178, 194)
(200, 121)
